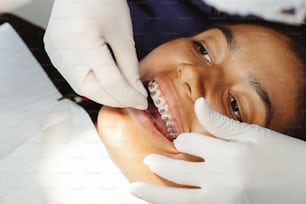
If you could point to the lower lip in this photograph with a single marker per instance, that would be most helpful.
(143, 118)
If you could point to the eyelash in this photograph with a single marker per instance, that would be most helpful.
(234, 106)
(202, 50)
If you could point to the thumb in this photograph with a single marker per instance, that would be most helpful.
(221, 126)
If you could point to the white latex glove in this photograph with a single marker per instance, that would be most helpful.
(268, 9)
(76, 41)
(247, 165)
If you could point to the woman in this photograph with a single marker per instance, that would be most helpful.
(243, 71)
(65, 161)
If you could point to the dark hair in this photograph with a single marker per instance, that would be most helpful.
(297, 44)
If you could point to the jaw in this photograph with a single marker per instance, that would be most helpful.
(128, 142)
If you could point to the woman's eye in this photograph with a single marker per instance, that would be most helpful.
(235, 108)
(203, 51)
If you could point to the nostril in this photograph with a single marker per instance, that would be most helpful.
(190, 78)
(179, 71)
(188, 90)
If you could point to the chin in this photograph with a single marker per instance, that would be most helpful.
(129, 135)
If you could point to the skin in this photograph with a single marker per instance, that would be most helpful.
(185, 72)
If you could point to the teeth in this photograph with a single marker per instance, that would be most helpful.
(162, 107)
(169, 124)
(155, 95)
(171, 131)
(165, 117)
(159, 102)
(173, 135)
(162, 110)
(152, 85)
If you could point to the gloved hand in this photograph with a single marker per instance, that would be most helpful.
(247, 164)
(76, 41)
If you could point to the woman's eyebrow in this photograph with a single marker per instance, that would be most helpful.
(252, 80)
(228, 35)
(263, 96)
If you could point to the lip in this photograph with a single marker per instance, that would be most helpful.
(172, 100)
(144, 120)
(169, 94)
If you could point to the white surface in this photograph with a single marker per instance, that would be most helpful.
(35, 11)
(64, 162)
(50, 151)
(8, 5)
(26, 92)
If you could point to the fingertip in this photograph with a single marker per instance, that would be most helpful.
(188, 140)
(135, 186)
(185, 137)
(137, 189)
(181, 137)
(142, 104)
(199, 101)
(140, 87)
(217, 124)
(149, 159)
(146, 191)
(202, 108)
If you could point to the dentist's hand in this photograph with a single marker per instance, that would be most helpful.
(77, 39)
(248, 164)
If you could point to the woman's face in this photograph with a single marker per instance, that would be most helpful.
(245, 72)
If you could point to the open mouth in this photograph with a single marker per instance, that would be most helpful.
(158, 111)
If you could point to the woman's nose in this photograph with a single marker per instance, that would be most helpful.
(192, 80)
(198, 81)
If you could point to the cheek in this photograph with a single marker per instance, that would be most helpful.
(151, 68)
(162, 59)
(127, 146)
(284, 109)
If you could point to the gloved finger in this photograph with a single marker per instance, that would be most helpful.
(126, 59)
(204, 146)
(94, 91)
(124, 50)
(184, 170)
(164, 195)
(222, 126)
(198, 174)
(111, 79)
